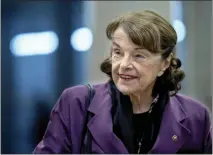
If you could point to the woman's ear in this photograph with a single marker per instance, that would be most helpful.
(166, 64)
(168, 60)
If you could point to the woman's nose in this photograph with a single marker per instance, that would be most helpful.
(125, 62)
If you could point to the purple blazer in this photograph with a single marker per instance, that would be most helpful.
(185, 125)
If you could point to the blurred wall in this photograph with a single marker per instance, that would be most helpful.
(32, 83)
(197, 16)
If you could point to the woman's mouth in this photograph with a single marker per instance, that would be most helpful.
(127, 77)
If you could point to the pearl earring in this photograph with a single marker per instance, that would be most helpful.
(160, 73)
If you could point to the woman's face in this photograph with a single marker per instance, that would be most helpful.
(134, 70)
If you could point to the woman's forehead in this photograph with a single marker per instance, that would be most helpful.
(120, 34)
(121, 39)
(127, 46)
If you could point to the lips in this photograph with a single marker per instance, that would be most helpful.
(126, 77)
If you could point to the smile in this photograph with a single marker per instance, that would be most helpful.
(127, 77)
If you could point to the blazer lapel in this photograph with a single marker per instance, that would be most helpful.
(101, 126)
(173, 130)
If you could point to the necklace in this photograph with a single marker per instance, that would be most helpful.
(140, 144)
(150, 110)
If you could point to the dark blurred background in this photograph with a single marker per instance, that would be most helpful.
(48, 46)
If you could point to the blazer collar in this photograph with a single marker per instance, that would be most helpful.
(171, 136)
(173, 131)
(101, 126)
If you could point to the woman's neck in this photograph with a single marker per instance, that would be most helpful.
(141, 102)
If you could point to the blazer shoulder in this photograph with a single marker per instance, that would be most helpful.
(80, 91)
(78, 95)
(191, 105)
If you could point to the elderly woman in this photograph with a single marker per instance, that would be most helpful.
(138, 110)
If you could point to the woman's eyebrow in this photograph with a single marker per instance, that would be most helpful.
(114, 43)
(139, 48)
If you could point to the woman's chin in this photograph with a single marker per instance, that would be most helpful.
(126, 90)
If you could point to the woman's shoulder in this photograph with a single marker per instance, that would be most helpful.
(80, 93)
(82, 90)
(75, 97)
(191, 105)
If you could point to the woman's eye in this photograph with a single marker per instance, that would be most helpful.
(139, 56)
(117, 51)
